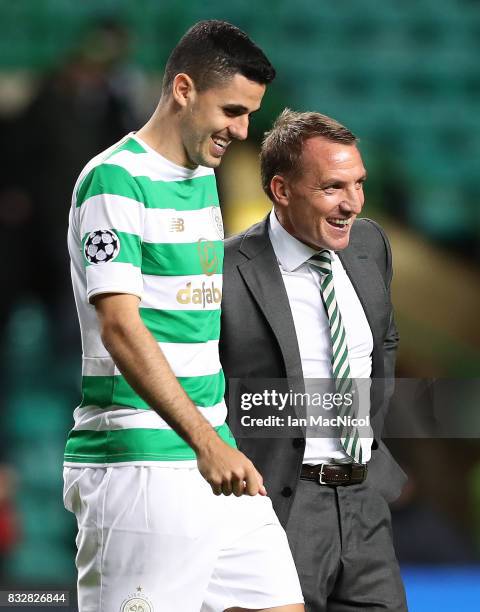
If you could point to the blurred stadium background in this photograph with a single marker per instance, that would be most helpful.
(404, 76)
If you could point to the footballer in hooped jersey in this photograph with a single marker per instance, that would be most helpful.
(171, 515)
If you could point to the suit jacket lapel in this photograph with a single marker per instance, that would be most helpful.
(369, 286)
(264, 280)
(356, 266)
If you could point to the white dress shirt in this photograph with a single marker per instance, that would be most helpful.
(302, 283)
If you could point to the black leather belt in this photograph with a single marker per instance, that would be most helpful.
(335, 474)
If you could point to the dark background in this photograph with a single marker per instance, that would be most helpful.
(404, 76)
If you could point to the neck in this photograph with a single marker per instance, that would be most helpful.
(162, 133)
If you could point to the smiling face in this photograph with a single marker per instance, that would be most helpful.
(216, 116)
(319, 205)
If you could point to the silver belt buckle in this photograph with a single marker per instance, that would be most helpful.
(320, 475)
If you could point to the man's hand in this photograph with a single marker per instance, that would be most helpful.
(139, 358)
(228, 471)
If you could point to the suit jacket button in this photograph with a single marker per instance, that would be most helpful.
(298, 442)
(287, 491)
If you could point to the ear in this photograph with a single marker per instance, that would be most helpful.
(182, 89)
(280, 190)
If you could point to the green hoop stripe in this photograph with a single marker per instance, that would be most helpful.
(131, 145)
(108, 179)
(122, 445)
(182, 325)
(130, 249)
(182, 259)
(190, 194)
(104, 391)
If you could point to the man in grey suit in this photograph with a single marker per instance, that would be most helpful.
(307, 295)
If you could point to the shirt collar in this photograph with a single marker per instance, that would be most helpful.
(290, 252)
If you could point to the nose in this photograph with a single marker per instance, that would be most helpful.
(239, 127)
(359, 199)
(354, 200)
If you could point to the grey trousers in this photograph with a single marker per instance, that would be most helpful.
(341, 540)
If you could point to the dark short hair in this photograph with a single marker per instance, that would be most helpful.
(282, 146)
(213, 51)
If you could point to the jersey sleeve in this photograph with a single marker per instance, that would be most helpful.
(111, 212)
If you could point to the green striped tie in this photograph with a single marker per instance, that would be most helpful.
(349, 434)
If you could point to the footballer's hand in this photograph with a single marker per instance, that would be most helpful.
(228, 471)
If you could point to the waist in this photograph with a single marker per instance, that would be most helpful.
(335, 474)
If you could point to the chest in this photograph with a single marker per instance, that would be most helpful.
(311, 322)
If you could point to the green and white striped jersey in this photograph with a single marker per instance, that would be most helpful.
(140, 224)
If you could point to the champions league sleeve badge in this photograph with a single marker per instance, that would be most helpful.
(101, 246)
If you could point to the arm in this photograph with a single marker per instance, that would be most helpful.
(141, 361)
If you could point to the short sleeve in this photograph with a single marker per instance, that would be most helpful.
(111, 212)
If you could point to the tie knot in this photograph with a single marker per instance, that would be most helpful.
(322, 261)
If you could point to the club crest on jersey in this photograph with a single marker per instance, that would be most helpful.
(217, 221)
(137, 602)
(101, 246)
(208, 256)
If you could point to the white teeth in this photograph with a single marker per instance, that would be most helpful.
(220, 143)
(339, 221)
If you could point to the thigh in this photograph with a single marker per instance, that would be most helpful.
(146, 536)
(254, 569)
(314, 536)
(370, 576)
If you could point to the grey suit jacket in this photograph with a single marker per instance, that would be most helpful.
(258, 340)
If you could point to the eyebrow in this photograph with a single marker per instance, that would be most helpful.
(337, 181)
(239, 109)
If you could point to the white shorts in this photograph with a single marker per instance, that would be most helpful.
(156, 539)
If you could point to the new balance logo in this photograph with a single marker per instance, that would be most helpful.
(201, 296)
(176, 225)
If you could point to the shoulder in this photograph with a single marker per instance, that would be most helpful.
(248, 243)
(106, 178)
(369, 235)
(233, 254)
(367, 229)
(100, 170)
(233, 243)
(370, 238)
